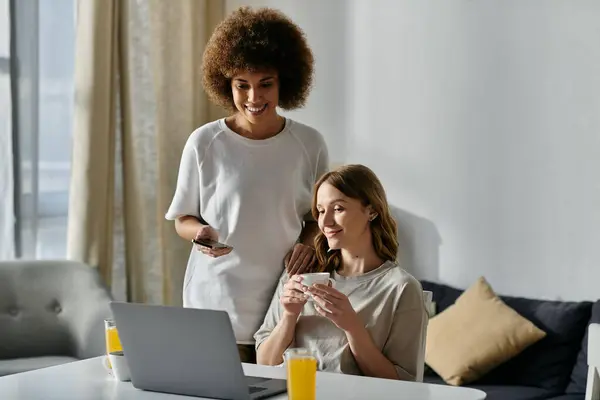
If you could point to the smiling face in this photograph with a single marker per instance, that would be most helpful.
(256, 95)
(343, 220)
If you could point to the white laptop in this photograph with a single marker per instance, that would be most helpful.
(186, 351)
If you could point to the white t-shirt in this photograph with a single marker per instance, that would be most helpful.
(255, 194)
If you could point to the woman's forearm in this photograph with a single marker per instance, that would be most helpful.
(270, 352)
(187, 226)
(369, 358)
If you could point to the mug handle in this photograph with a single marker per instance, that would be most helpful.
(331, 282)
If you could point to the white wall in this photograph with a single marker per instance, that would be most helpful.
(482, 119)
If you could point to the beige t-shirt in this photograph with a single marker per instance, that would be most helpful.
(388, 300)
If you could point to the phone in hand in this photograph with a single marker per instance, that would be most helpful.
(211, 244)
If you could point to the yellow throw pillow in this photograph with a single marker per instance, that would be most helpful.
(476, 334)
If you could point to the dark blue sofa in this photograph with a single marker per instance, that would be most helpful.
(554, 368)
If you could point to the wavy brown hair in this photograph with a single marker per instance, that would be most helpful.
(358, 182)
(258, 40)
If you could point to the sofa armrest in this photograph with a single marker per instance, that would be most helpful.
(592, 391)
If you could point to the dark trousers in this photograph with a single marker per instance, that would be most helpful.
(247, 353)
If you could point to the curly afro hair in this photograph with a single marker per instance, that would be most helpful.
(258, 40)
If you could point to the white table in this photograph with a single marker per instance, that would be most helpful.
(89, 380)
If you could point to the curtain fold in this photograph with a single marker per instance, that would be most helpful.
(89, 232)
(136, 106)
(178, 38)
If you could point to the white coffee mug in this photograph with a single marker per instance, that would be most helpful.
(119, 366)
(322, 278)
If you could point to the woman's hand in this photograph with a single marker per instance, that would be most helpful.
(293, 297)
(335, 306)
(208, 232)
(300, 259)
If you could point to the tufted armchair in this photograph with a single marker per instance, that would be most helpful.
(51, 312)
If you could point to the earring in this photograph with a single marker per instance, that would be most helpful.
(372, 217)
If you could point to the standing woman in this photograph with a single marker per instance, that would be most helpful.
(246, 180)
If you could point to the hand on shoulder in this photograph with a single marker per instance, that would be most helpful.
(300, 259)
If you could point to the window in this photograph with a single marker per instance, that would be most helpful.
(42, 62)
(6, 165)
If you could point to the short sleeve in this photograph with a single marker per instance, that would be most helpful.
(273, 313)
(186, 200)
(322, 161)
(406, 342)
(321, 167)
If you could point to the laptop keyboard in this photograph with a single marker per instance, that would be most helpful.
(255, 380)
(252, 381)
(255, 389)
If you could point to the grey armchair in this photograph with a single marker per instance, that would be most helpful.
(51, 312)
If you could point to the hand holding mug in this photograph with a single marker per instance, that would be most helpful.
(314, 278)
(294, 297)
(335, 306)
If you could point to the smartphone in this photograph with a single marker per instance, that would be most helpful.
(211, 244)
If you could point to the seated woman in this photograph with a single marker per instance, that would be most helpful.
(372, 321)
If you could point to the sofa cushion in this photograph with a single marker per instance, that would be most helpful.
(547, 363)
(17, 365)
(477, 333)
(499, 392)
(580, 370)
(443, 295)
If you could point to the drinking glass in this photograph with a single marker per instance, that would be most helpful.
(113, 343)
(301, 374)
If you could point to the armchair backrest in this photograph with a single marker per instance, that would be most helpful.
(51, 308)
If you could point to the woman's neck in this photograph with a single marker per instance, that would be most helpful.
(240, 125)
(359, 260)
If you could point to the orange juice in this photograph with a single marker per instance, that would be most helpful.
(113, 343)
(301, 375)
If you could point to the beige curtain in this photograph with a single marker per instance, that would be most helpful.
(137, 99)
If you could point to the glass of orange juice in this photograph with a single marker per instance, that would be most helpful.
(301, 374)
(113, 343)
